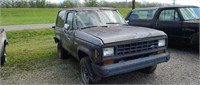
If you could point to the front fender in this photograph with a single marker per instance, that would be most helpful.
(85, 50)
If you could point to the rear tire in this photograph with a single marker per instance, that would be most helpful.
(194, 42)
(87, 74)
(3, 57)
(149, 70)
(62, 53)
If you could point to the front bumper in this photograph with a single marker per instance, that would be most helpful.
(131, 65)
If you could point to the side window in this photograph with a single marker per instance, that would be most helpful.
(142, 14)
(60, 19)
(69, 19)
(169, 15)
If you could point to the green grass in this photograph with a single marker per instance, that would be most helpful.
(16, 16)
(124, 11)
(29, 50)
(29, 45)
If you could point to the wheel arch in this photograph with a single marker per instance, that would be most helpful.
(194, 38)
(57, 39)
(83, 52)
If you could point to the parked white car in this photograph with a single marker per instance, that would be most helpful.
(3, 43)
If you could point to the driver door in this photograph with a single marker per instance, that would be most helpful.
(169, 21)
(68, 32)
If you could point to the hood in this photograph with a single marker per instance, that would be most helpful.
(122, 33)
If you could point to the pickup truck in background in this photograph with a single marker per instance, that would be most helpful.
(3, 43)
(180, 23)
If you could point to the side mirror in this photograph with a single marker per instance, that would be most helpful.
(127, 21)
(66, 27)
(54, 27)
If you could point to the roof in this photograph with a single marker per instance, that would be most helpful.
(164, 7)
(90, 8)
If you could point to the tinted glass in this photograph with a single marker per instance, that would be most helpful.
(169, 15)
(190, 13)
(70, 20)
(60, 19)
(142, 14)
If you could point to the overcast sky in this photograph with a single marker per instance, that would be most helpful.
(182, 2)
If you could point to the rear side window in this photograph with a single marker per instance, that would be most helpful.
(60, 19)
(142, 14)
(169, 15)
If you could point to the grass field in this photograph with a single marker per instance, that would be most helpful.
(32, 58)
(29, 50)
(15, 16)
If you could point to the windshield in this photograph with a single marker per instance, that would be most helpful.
(96, 18)
(190, 13)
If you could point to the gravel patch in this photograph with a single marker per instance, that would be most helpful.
(59, 74)
(183, 68)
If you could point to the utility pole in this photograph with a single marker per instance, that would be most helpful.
(126, 4)
(133, 4)
(174, 3)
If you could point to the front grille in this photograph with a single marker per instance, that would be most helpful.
(136, 47)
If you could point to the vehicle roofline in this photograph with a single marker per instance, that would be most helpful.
(163, 7)
(89, 8)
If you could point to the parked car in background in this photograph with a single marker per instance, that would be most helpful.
(105, 45)
(180, 23)
(3, 44)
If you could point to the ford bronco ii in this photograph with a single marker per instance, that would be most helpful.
(105, 45)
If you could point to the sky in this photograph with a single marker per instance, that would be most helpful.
(181, 2)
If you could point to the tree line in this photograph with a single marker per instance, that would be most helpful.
(71, 4)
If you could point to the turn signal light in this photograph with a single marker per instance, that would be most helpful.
(108, 62)
(96, 54)
(161, 51)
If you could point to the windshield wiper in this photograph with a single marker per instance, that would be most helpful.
(88, 27)
(112, 23)
(92, 27)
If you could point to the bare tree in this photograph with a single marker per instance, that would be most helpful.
(70, 3)
(91, 3)
(40, 3)
(5, 4)
(32, 3)
(13, 3)
(21, 4)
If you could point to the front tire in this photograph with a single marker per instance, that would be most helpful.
(194, 42)
(87, 74)
(62, 53)
(3, 57)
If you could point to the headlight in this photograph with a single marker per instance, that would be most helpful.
(161, 43)
(108, 51)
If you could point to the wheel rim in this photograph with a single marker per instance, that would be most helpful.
(5, 57)
(84, 75)
(4, 54)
